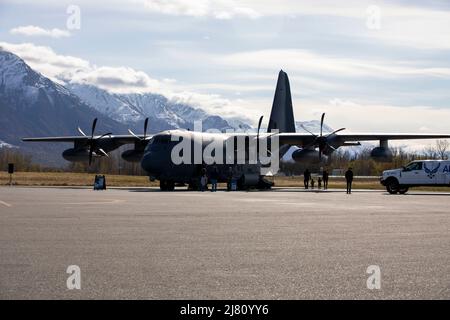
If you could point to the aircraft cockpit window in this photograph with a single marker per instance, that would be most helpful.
(162, 139)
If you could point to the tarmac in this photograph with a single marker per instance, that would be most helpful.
(140, 243)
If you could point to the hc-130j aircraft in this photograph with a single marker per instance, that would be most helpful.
(154, 151)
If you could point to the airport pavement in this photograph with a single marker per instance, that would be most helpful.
(280, 244)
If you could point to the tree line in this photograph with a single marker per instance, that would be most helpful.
(363, 165)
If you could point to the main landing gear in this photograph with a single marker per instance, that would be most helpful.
(166, 185)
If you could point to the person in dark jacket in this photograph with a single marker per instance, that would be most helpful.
(349, 179)
(230, 176)
(306, 178)
(213, 177)
(325, 179)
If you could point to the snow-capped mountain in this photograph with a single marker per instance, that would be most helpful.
(16, 76)
(106, 103)
(3, 144)
(134, 107)
(33, 105)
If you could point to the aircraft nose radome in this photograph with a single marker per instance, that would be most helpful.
(150, 164)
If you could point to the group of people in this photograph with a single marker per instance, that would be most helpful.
(212, 176)
(309, 181)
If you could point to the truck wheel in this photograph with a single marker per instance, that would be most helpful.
(392, 186)
(403, 190)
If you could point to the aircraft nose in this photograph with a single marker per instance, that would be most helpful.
(151, 164)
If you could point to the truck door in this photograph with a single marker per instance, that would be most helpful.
(443, 173)
(414, 174)
(446, 172)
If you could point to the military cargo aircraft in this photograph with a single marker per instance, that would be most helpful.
(156, 152)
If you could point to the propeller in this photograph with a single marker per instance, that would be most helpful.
(145, 131)
(257, 135)
(321, 140)
(257, 138)
(92, 141)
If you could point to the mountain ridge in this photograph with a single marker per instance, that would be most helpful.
(34, 105)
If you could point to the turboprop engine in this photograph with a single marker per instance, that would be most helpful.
(306, 156)
(76, 155)
(132, 155)
(381, 154)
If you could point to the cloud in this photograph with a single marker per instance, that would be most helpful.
(360, 117)
(312, 62)
(63, 69)
(117, 79)
(73, 69)
(409, 25)
(35, 31)
(370, 117)
(218, 9)
(46, 61)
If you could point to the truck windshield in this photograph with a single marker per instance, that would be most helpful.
(414, 166)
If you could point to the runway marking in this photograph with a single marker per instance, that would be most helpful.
(5, 204)
(109, 201)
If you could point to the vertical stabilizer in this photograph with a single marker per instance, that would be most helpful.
(282, 115)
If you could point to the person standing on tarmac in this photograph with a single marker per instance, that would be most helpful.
(204, 180)
(349, 179)
(306, 178)
(213, 177)
(325, 179)
(230, 176)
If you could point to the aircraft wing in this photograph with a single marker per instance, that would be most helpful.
(120, 139)
(56, 139)
(301, 139)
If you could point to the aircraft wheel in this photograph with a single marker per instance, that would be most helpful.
(166, 185)
(170, 185)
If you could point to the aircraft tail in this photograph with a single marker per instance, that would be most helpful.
(282, 115)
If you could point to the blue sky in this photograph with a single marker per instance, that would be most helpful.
(382, 70)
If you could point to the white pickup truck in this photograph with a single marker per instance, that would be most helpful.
(417, 173)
